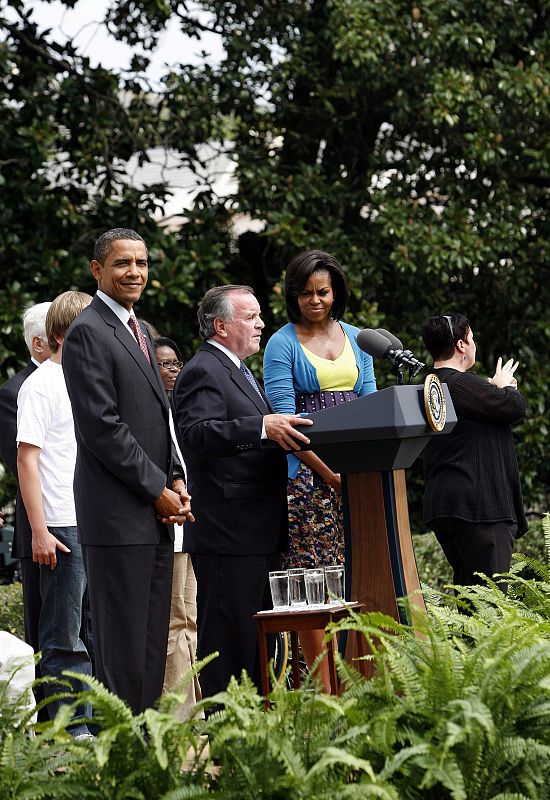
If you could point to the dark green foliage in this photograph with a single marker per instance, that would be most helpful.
(133, 757)
(409, 139)
(11, 609)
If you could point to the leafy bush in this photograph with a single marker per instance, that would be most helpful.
(11, 609)
(458, 709)
(138, 757)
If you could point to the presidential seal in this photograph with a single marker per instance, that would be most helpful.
(434, 403)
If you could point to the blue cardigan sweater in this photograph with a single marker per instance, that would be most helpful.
(287, 372)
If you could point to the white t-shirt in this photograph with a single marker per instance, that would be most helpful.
(44, 419)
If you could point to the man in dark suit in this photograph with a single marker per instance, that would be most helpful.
(34, 330)
(126, 492)
(238, 483)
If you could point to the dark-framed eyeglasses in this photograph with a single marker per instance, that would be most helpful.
(450, 322)
(170, 364)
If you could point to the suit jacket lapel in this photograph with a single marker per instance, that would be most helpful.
(239, 379)
(124, 335)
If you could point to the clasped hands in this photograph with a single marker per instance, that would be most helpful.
(504, 374)
(174, 505)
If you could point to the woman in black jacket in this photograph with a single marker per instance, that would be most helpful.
(473, 499)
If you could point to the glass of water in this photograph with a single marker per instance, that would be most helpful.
(297, 588)
(278, 583)
(334, 576)
(315, 586)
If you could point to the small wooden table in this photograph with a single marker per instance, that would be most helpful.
(306, 619)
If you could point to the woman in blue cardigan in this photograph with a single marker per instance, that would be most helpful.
(311, 363)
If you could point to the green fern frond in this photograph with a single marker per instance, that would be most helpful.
(333, 756)
(546, 533)
(188, 793)
(540, 570)
(178, 695)
(108, 707)
(366, 791)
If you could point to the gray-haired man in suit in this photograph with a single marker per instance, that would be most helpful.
(34, 331)
(238, 483)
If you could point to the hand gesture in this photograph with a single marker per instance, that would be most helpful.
(45, 546)
(280, 428)
(504, 375)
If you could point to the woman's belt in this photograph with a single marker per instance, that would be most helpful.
(317, 401)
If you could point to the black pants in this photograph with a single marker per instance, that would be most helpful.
(472, 547)
(230, 590)
(129, 587)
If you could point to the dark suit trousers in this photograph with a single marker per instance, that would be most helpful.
(230, 590)
(130, 589)
(472, 547)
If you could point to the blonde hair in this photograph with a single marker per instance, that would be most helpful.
(64, 309)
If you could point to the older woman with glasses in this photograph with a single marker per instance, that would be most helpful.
(473, 499)
(169, 361)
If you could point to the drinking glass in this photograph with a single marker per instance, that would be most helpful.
(315, 586)
(297, 588)
(278, 583)
(334, 576)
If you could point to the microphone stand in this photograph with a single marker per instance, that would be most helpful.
(413, 372)
(398, 372)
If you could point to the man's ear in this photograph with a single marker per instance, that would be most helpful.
(38, 344)
(95, 268)
(219, 327)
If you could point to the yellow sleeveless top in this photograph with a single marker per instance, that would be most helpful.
(335, 376)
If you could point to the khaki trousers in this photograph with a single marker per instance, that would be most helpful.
(182, 635)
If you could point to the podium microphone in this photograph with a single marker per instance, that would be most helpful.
(396, 343)
(378, 344)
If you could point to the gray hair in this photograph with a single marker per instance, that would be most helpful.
(105, 241)
(34, 323)
(216, 304)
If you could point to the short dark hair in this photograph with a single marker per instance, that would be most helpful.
(103, 245)
(164, 341)
(440, 334)
(299, 271)
(216, 305)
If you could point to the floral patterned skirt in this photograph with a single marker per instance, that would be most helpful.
(315, 522)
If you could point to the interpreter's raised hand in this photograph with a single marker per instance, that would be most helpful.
(280, 428)
(45, 546)
(179, 487)
(504, 374)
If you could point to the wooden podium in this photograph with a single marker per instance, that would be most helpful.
(371, 441)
